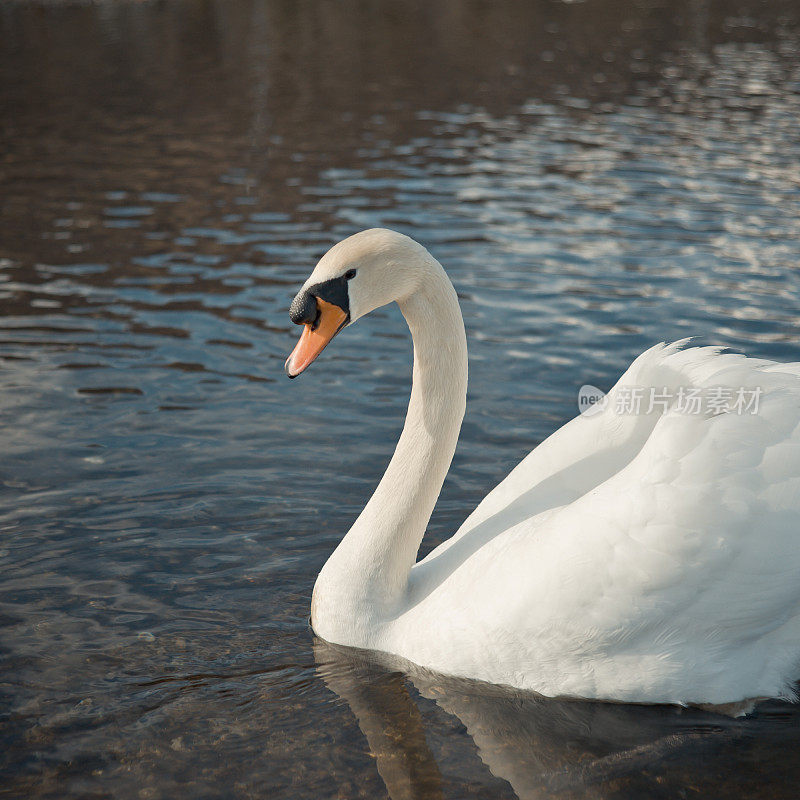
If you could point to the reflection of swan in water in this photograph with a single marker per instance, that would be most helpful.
(387, 716)
(550, 748)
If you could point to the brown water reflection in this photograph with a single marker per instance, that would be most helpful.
(607, 174)
(166, 97)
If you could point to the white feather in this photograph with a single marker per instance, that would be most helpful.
(648, 557)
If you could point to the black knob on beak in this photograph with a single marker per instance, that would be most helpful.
(303, 310)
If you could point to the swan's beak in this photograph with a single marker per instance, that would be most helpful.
(315, 337)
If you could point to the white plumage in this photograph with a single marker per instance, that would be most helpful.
(648, 557)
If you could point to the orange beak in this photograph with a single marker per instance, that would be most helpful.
(330, 320)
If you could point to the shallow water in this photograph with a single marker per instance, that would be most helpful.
(596, 177)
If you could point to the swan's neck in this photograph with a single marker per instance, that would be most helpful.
(368, 572)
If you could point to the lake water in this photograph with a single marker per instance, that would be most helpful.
(595, 176)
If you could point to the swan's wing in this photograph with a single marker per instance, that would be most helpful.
(590, 448)
(642, 546)
(682, 568)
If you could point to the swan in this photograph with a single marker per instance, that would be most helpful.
(646, 557)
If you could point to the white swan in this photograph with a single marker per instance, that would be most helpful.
(649, 557)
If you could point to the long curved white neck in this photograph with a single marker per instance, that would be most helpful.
(368, 572)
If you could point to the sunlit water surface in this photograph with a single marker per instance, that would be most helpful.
(596, 177)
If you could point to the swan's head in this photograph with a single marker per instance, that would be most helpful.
(363, 272)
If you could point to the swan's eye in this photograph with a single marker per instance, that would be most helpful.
(350, 274)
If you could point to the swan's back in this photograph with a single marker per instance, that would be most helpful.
(644, 557)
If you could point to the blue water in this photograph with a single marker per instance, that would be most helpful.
(596, 177)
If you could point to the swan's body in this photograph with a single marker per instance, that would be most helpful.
(649, 557)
